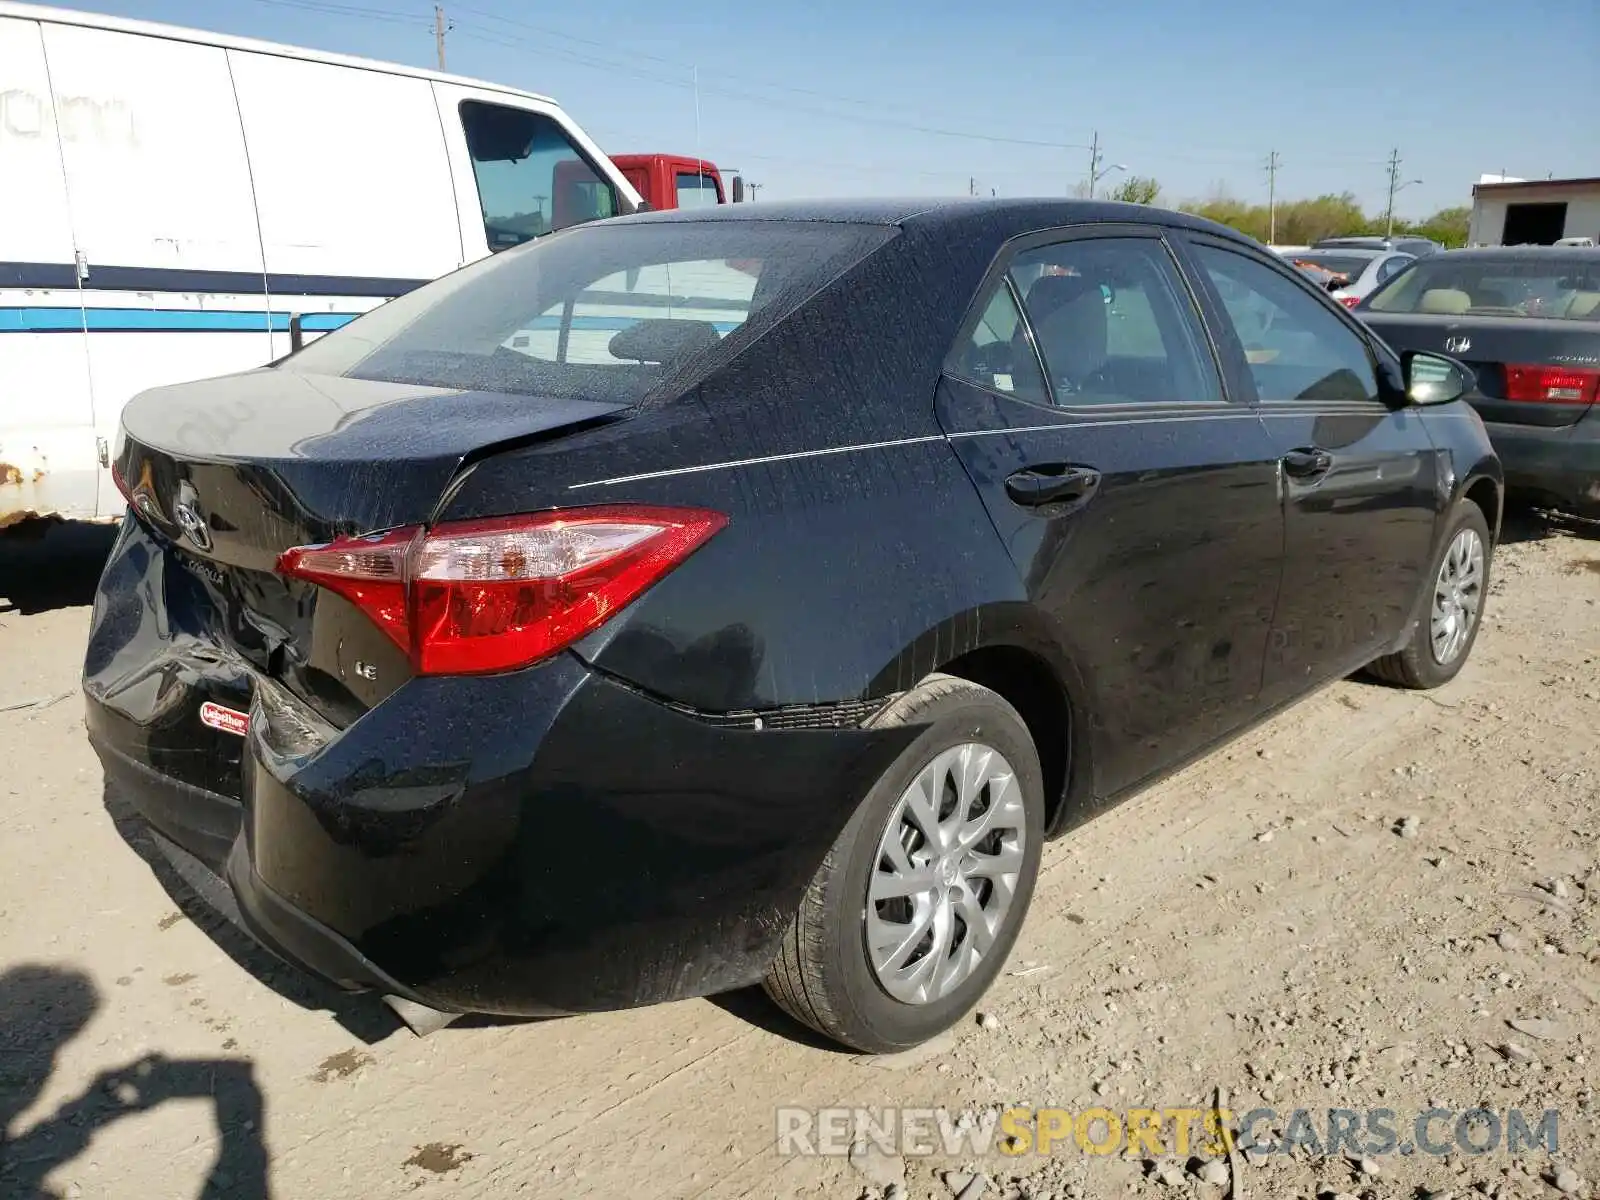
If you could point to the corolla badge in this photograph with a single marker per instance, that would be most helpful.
(186, 512)
(1459, 344)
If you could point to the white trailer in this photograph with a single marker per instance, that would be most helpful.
(179, 204)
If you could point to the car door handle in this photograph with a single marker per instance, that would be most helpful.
(1307, 462)
(1055, 483)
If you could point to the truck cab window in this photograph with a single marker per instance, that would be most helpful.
(531, 179)
(696, 191)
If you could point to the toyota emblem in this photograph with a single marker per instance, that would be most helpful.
(1459, 344)
(187, 513)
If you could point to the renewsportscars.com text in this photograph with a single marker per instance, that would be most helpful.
(1158, 1132)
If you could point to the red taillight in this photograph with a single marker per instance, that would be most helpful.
(473, 596)
(1349, 301)
(1537, 384)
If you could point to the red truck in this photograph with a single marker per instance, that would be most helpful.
(673, 181)
(664, 180)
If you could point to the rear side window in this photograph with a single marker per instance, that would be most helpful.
(609, 312)
(1114, 323)
(531, 179)
(1295, 347)
(998, 354)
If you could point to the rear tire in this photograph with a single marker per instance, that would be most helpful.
(829, 975)
(1418, 665)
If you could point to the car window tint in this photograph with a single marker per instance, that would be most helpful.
(530, 177)
(1296, 348)
(1114, 324)
(998, 354)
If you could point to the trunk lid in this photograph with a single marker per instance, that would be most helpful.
(1490, 344)
(229, 473)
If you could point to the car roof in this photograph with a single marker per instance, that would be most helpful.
(1007, 218)
(1583, 254)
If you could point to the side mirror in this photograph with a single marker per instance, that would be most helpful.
(1435, 379)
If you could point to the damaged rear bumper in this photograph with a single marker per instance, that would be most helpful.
(543, 841)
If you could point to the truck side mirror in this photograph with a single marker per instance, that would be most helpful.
(738, 189)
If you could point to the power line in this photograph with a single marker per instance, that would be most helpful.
(496, 37)
(499, 37)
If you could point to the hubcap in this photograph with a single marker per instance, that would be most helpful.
(945, 874)
(1457, 596)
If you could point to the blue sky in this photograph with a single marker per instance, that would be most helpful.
(832, 97)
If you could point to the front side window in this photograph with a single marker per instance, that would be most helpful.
(610, 312)
(1295, 347)
(696, 191)
(1114, 323)
(531, 179)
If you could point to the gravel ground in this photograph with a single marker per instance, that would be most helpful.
(1380, 899)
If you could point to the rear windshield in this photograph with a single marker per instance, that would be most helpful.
(603, 312)
(1340, 264)
(1557, 286)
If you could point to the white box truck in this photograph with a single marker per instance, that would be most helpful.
(177, 204)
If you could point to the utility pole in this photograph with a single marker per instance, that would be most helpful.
(972, 186)
(438, 32)
(752, 188)
(1094, 161)
(1272, 198)
(1394, 186)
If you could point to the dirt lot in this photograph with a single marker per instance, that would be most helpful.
(1263, 922)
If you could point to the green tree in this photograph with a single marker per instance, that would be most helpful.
(1448, 226)
(1299, 222)
(1136, 189)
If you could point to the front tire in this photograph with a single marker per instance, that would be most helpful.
(918, 902)
(1452, 607)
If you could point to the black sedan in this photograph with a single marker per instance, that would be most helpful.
(1526, 319)
(694, 599)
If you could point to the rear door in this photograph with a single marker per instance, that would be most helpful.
(163, 212)
(1138, 502)
(47, 448)
(1360, 476)
(352, 185)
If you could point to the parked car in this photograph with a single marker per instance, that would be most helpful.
(180, 204)
(1417, 247)
(501, 680)
(1351, 274)
(1526, 319)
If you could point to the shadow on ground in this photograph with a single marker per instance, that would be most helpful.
(206, 901)
(51, 564)
(42, 1008)
(1524, 524)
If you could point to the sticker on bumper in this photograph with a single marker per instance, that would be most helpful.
(229, 720)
